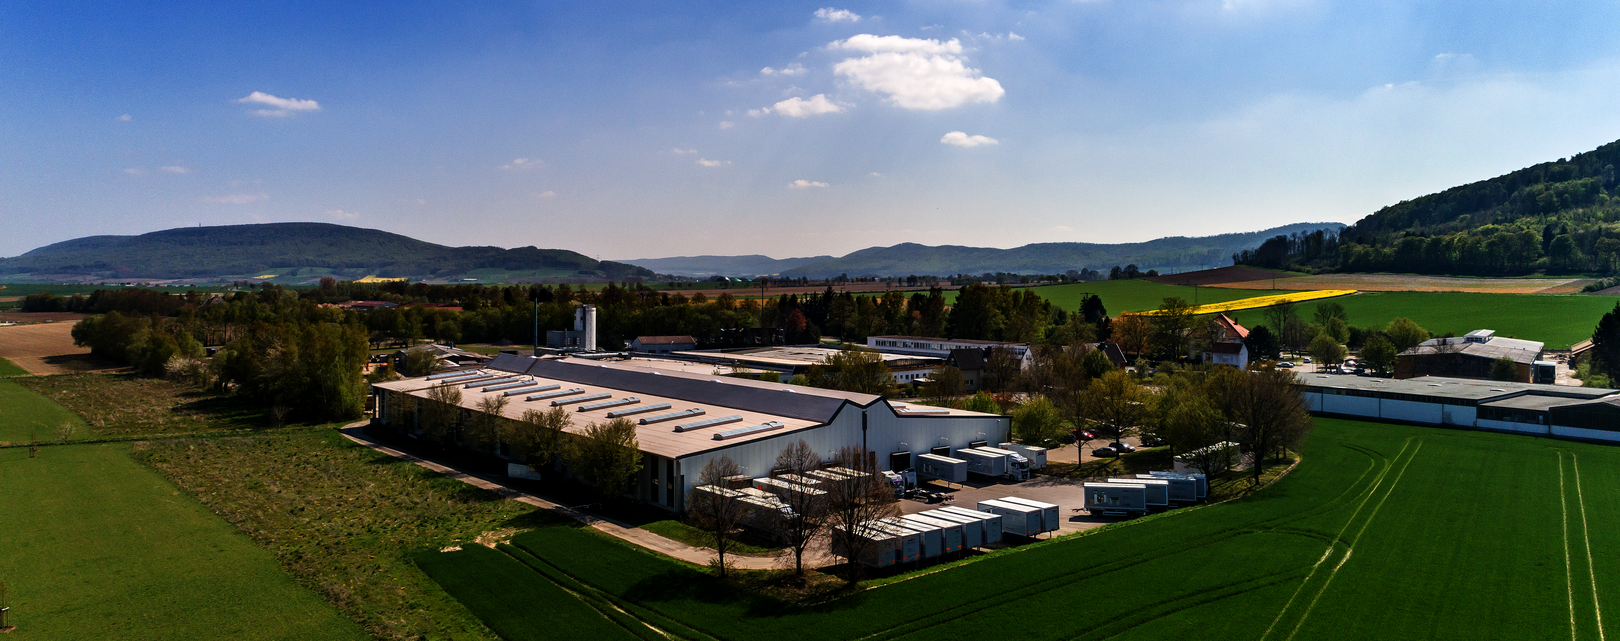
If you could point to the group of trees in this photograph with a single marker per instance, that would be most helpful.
(1603, 367)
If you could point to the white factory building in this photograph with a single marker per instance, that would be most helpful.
(687, 419)
(1558, 411)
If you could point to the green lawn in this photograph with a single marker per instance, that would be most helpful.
(1384, 531)
(26, 416)
(7, 368)
(1137, 295)
(95, 546)
(1557, 320)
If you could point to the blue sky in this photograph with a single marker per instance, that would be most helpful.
(629, 130)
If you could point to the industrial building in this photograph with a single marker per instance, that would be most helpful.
(662, 344)
(1526, 408)
(686, 419)
(795, 359)
(941, 347)
(1472, 356)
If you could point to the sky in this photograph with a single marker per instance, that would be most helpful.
(648, 129)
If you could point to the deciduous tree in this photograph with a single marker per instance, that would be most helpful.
(537, 437)
(605, 456)
(718, 514)
(853, 504)
(809, 509)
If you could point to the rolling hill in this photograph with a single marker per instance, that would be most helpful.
(294, 249)
(1176, 253)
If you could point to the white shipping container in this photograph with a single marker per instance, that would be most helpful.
(879, 553)
(928, 536)
(1036, 455)
(1021, 520)
(972, 528)
(1050, 513)
(1115, 497)
(991, 523)
(934, 466)
(951, 537)
(984, 463)
(908, 544)
(1203, 481)
(1158, 490)
(1182, 490)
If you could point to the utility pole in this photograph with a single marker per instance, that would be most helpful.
(534, 297)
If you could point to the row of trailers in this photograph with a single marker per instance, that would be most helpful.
(1011, 461)
(1144, 492)
(948, 530)
(761, 498)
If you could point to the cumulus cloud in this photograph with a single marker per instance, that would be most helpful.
(278, 107)
(961, 139)
(175, 169)
(682, 152)
(758, 112)
(797, 107)
(874, 175)
(520, 164)
(547, 194)
(793, 69)
(915, 73)
(135, 171)
(705, 162)
(342, 215)
(805, 184)
(236, 199)
(1014, 37)
(726, 124)
(125, 118)
(829, 14)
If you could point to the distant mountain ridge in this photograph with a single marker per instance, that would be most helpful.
(1175, 253)
(319, 248)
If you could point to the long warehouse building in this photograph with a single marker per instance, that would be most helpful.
(750, 421)
(1560, 411)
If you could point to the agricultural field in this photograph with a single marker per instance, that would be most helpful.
(9, 369)
(45, 348)
(1384, 531)
(1263, 301)
(1138, 295)
(25, 416)
(1558, 321)
(115, 406)
(94, 545)
(1416, 283)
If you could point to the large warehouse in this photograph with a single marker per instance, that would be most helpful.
(747, 420)
(1527, 408)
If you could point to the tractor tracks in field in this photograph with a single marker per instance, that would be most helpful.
(1586, 545)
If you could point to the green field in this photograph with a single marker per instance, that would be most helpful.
(1384, 532)
(7, 368)
(93, 545)
(26, 416)
(1557, 320)
(1138, 295)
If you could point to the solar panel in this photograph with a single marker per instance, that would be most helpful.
(745, 431)
(507, 386)
(672, 416)
(538, 388)
(494, 382)
(614, 403)
(434, 377)
(566, 392)
(463, 379)
(588, 397)
(687, 427)
(638, 410)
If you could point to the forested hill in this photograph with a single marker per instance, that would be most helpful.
(1176, 253)
(1555, 217)
(312, 248)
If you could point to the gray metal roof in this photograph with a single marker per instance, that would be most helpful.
(1535, 402)
(1445, 387)
(1520, 351)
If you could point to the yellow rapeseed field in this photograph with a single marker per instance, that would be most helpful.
(1262, 301)
(374, 279)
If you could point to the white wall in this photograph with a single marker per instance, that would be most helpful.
(1510, 426)
(1579, 432)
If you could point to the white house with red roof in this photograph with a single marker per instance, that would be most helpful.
(1229, 347)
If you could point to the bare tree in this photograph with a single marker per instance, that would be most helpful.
(716, 509)
(484, 430)
(853, 504)
(1271, 413)
(443, 412)
(1001, 368)
(1116, 403)
(537, 436)
(809, 508)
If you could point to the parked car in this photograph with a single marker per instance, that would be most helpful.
(1285, 364)
(1105, 452)
(1152, 440)
(1307, 359)
(1124, 448)
(1087, 434)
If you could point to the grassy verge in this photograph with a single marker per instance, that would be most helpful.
(8, 368)
(1142, 461)
(26, 416)
(344, 520)
(508, 597)
(95, 546)
(123, 405)
(678, 531)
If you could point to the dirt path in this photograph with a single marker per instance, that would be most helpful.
(675, 549)
(47, 348)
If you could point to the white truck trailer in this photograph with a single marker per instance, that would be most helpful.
(945, 468)
(1182, 490)
(1036, 455)
(908, 544)
(881, 547)
(1019, 520)
(1115, 498)
(951, 532)
(972, 528)
(1158, 490)
(780, 487)
(1051, 514)
(989, 524)
(1200, 479)
(928, 536)
(998, 463)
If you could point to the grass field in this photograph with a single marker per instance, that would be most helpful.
(7, 368)
(26, 416)
(95, 546)
(1384, 531)
(1137, 295)
(124, 405)
(1558, 321)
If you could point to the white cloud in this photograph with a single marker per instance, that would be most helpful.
(547, 194)
(279, 107)
(175, 169)
(727, 124)
(521, 164)
(874, 175)
(916, 73)
(712, 163)
(135, 171)
(342, 215)
(758, 112)
(793, 69)
(236, 199)
(961, 139)
(125, 118)
(805, 184)
(829, 14)
(797, 107)
(1014, 37)
(1062, 229)
(682, 152)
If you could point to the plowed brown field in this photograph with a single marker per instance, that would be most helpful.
(47, 348)
(1406, 283)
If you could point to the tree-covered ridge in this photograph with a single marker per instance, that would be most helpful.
(201, 252)
(1554, 217)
